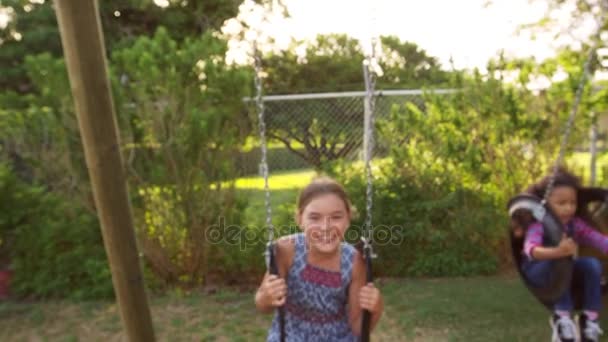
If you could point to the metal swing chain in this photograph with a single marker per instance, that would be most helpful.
(271, 263)
(368, 138)
(577, 101)
(262, 128)
(368, 144)
(369, 123)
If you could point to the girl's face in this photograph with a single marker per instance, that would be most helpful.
(324, 221)
(563, 201)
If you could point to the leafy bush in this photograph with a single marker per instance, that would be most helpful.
(421, 227)
(181, 110)
(53, 246)
(440, 193)
(239, 251)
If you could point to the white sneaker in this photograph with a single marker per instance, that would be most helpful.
(590, 330)
(564, 329)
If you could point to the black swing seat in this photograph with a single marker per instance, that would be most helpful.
(530, 208)
(530, 205)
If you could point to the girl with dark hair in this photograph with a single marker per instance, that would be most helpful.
(567, 200)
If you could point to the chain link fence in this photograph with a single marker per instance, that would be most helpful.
(306, 130)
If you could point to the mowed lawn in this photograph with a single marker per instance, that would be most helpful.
(449, 309)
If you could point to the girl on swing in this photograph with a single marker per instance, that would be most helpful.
(565, 202)
(322, 283)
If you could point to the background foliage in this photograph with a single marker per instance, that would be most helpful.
(187, 136)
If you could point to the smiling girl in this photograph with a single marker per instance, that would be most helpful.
(321, 282)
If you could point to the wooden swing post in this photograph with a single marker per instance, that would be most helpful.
(84, 51)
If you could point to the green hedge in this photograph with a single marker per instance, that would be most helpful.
(53, 246)
(424, 229)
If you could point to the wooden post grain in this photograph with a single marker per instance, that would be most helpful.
(84, 51)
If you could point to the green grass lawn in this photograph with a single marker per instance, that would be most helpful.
(279, 181)
(453, 309)
(297, 179)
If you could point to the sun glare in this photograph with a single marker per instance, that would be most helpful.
(5, 16)
(467, 32)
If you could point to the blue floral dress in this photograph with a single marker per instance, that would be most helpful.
(317, 299)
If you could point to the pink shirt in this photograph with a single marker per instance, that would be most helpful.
(583, 235)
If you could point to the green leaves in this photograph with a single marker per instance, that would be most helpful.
(184, 121)
(53, 246)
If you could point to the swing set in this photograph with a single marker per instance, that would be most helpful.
(368, 143)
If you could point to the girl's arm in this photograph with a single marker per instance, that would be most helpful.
(272, 291)
(589, 236)
(566, 247)
(534, 249)
(533, 239)
(371, 294)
